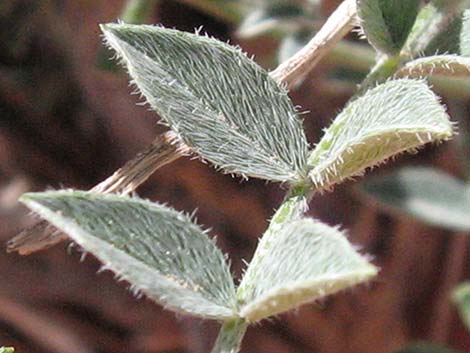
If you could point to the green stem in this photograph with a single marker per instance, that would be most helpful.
(385, 68)
(431, 21)
(294, 206)
(360, 58)
(230, 336)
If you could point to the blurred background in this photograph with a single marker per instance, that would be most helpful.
(67, 119)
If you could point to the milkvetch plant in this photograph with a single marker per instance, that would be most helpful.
(229, 111)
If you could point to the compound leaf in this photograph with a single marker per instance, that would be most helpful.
(305, 261)
(387, 23)
(158, 250)
(396, 116)
(446, 65)
(430, 195)
(222, 104)
(461, 297)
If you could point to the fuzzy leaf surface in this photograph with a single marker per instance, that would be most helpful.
(387, 23)
(158, 250)
(446, 65)
(306, 260)
(394, 117)
(427, 194)
(221, 103)
(461, 297)
(465, 34)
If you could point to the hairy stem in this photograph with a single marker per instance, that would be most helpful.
(384, 69)
(294, 206)
(230, 337)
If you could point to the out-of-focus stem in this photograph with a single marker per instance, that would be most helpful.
(358, 57)
(138, 11)
(335, 28)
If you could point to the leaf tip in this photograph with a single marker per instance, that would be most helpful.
(27, 198)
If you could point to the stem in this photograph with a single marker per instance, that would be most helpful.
(230, 336)
(384, 69)
(361, 58)
(294, 206)
(335, 28)
(431, 21)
